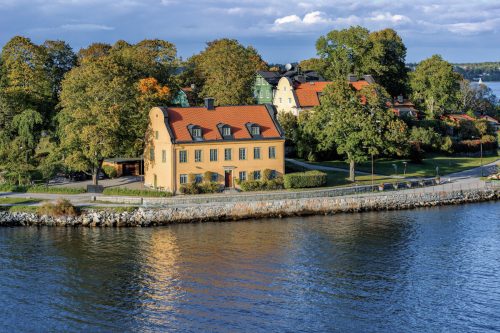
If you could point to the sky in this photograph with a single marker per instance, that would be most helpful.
(282, 31)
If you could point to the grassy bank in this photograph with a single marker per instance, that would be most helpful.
(384, 166)
(42, 189)
(13, 201)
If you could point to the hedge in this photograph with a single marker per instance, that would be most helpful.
(201, 188)
(313, 178)
(262, 185)
(120, 191)
(42, 189)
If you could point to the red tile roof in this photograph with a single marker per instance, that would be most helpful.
(490, 119)
(307, 93)
(458, 117)
(235, 116)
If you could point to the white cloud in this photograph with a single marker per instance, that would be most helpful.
(295, 23)
(471, 28)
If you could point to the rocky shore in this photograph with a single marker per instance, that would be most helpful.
(231, 211)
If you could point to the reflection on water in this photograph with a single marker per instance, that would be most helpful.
(422, 270)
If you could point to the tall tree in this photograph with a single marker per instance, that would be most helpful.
(435, 86)
(60, 60)
(227, 69)
(358, 51)
(356, 124)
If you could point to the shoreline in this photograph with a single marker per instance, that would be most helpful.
(244, 210)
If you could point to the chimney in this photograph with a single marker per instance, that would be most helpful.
(209, 103)
(352, 78)
(369, 79)
(400, 99)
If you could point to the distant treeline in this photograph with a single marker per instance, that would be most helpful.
(487, 71)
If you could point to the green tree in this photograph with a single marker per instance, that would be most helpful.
(435, 87)
(356, 124)
(227, 70)
(313, 64)
(60, 60)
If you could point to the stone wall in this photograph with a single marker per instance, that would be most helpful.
(230, 211)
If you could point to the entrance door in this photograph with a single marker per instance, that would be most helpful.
(228, 178)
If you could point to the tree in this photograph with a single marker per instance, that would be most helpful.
(343, 52)
(97, 101)
(356, 124)
(227, 70)
(60, 60)
(93, 52)
(358, 51)
(435, 86)
(313, 64)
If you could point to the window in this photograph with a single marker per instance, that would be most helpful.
(164, 156)
(284, 88)
(290, 100)
(215, 177)
(243, 175)
(255, 130)
(227, 154)
(151, 154)
(197, 155)
(272, 152)
(243, 153)
(197, 132)
(213, 155)
(226, 131)
(156, 135)
(183, 179)
(256, 175)
(183, 156)
(198, 178)
(256, 153)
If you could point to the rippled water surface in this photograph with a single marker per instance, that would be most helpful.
(409, 271)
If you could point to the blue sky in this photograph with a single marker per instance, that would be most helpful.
(282, 31)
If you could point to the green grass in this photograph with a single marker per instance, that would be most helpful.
(113, 209)
(446, 164)
(42, 189)
(19, 208)
(19, 201)
(120, 191)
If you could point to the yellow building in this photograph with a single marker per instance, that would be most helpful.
(232, 142)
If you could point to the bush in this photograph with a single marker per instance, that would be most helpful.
(62, 207)
(447, 145)
(120, 191)
(41, 189)
(193, 188)
(262, 185)
(312, 178)
(110, 171)
(474, 146)
(207, 177)
(191, 178)
(267, 174)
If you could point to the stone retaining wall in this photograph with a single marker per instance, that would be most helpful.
(229, 211)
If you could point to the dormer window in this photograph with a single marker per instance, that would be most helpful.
(226, 131)
(255, 130)
(197, 132)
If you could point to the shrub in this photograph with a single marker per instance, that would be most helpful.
(62, 207)
(447, 145)
(120, 191)
(191, 178)
(193, 188)
(55, 189)
(267, 174)
(312, 178)
(110, 171)
(207, 177)
(262, 185)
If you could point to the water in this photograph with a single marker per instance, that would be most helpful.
(495, 86)
(424, 270)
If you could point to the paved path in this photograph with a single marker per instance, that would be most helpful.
(322, 167)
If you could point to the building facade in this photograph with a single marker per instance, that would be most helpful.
(231, 142)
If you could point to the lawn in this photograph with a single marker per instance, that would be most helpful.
(25, 201)
(446, 164)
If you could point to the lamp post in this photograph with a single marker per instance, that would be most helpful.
(404, 170)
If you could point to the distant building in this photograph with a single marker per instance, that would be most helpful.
(295, 97)
(181, 97)
(404, 108)
(232, 142)
(266, 81)
(492, 122)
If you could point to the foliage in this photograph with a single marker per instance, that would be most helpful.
(203, 188)
(426, 138)
(207, 176)
(435, 87)
(355, 50)
(262, 185)
(267, 174)
(110, 171)
(489, 142)
(121, 191)
(356, 124)
(62, 207)
(313, 178)
(313, 64)
(6, 187)
(226, 71)
(476, 99)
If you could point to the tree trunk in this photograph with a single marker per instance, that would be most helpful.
(352, 173)
(95, 173)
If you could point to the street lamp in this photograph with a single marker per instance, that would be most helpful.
(395, 169)
(404, 171)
